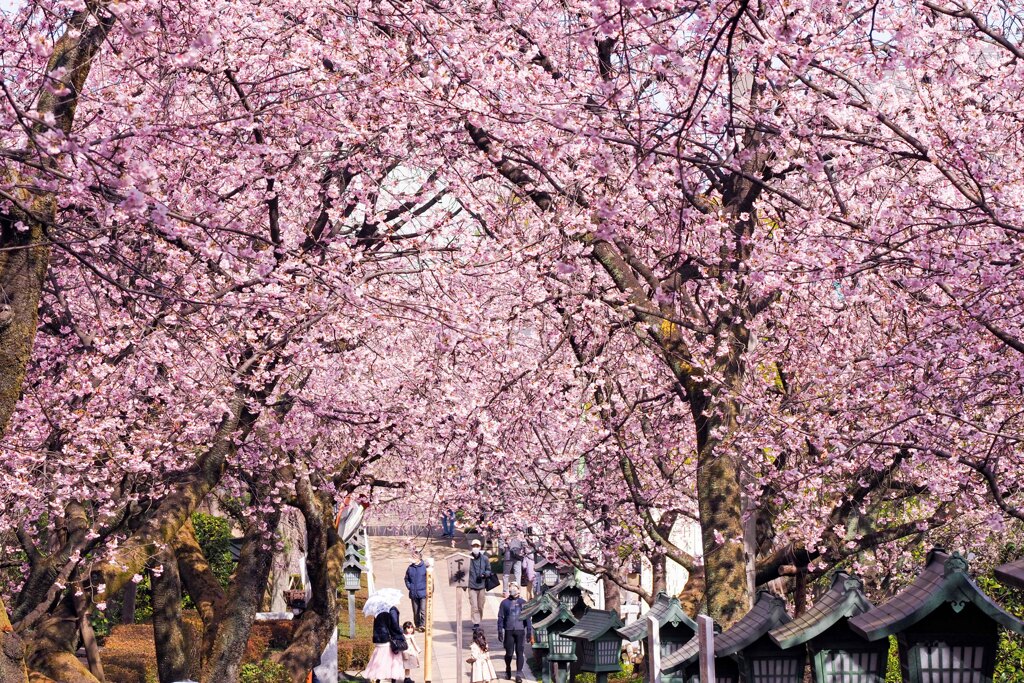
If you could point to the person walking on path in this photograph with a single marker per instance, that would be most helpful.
(386, 662)
(529, 574)
(483, 670)
(416, 584)
(448, 523)
(512, 566)
(479, 570)
(513, 631)
(411, 657)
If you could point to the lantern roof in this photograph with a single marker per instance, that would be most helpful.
(542, 603)
(769, 612)
(543, 563)
(944, 579)
(567, 582)
(844, 599)
(560, 613)
(595, 624)
(1011, 573)
(666, 610)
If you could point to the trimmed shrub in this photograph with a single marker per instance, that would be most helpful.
(277, 633)
(361, 651)
(264, 671)
(255, 648)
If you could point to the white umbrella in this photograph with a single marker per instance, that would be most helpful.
(382, 601)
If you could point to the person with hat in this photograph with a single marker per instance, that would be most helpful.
(514, 631)
(479, 570)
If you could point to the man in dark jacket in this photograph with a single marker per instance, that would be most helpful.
(479, 568)
(416, 583)
(513, 631)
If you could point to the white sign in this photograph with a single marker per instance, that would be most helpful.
(458, 570)
(654, 649)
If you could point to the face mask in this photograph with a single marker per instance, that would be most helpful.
(476, 552)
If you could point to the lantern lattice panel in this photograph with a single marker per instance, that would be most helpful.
(540, 636)
(844, 666)
(603, 652)
(942, 663)
(561, 646)
(608, 651)
(776, 670)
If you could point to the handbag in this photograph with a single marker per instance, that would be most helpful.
(491, 581)
(399, 644)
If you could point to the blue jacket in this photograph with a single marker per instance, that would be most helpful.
(510, 616)
(416, 580)
(479, 567)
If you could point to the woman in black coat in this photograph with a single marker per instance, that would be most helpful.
(386, 662)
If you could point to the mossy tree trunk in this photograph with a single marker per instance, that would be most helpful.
(325, 555)
(168, 636)
(233, 622)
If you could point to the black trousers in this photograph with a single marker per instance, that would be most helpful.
(418, 617)
(515, 641)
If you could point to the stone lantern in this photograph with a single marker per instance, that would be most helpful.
(839, 655)
(561, 650)
(946, 627)
(598, 643)
(745, 651)
(675, 629)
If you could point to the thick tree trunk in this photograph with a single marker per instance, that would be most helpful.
(12, 651)
(168, 636)
(800, 592)
(24, 256)
(92, 648)
(232, 624)
(23, 263)
(658, 573)
(131, 591)
(325, 554)
(612, 595)
(202, 586)
(721, 512)
(52, 648)
(692, 596)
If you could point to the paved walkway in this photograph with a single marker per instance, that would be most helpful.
(391, 555)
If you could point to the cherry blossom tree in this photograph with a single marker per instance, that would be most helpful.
(744, 263)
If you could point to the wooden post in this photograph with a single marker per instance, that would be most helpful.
(653, 650)
(351, 614)
(460, 595)
(706, 648)
(428, 627)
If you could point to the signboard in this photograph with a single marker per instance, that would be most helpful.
(349, 520)
(458, 570)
